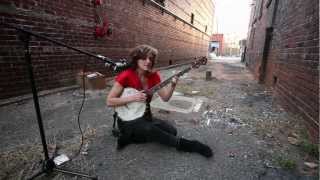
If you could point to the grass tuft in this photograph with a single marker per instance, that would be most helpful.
(286, 163)
(311, 149)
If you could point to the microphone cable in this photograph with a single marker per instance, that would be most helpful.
(82, 104)
(80, 110)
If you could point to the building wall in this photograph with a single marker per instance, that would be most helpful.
(132, 22)
(290, 62)
(219, 38)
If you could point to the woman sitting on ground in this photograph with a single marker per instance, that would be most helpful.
(141, 76)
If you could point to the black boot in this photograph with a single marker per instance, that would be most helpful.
(122, 142)
(194, 146)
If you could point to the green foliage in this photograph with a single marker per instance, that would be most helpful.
(286, 163)
(307, 146)
(311, 149)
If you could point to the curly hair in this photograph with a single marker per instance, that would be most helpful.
(142, 52)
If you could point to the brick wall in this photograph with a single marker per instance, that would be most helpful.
(290, 63)
(219, 38)
(132, 22)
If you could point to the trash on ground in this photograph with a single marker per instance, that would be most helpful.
(195, 92)
(62, 158)
(197, 106)
(293, 140)
(311, 165)
(231, 154)
(175, 93)
(235, 121)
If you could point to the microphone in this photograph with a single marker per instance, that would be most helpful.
(121, 64)
(114, 66)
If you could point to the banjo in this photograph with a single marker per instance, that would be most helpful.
(136, 110)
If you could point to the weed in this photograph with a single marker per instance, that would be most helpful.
(286, 163)
(307, 146)
(311, 149)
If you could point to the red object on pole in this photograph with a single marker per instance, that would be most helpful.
(97, 2)
(101, 31)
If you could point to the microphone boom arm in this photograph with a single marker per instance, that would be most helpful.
(107, 60)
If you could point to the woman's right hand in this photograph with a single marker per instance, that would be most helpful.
(139, 97)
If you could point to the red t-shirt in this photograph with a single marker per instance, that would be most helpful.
(129, 78)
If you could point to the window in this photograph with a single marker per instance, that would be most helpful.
(253, 31)
(268, 3)
(260, 9)
(275, 80)
(161, 2)
(192, 18)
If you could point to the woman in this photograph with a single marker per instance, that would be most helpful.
(141, 76)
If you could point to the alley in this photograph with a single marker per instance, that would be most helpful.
(255, 102)
(237, 117)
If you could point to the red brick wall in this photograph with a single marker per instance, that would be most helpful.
(219, 38)
(203, 11)
(73, 22)
(293, 59)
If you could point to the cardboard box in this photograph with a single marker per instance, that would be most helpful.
(92, 80)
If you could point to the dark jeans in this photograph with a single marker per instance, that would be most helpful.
(144, 130)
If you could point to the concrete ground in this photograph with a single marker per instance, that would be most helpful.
(251, 136)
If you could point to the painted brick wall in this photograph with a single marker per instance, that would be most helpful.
(291, 65)
(72, 22)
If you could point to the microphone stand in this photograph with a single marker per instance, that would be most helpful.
(48, 165)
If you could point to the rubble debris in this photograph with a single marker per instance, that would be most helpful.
(295, 135)
(293, 141)
(230, 132)
(269, 135)
(311, 165)
(208, 122)
(231, 155)
(195, 92)
(175, 93)
(85, 149)
(268, 164)
(235, 121)
(197, 107)
(62, 158)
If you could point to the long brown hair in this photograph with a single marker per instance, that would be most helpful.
(142, 52)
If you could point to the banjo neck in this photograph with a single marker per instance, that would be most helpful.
(196, 64)
(167, 81)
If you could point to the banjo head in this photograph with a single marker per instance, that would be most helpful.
(132, 110)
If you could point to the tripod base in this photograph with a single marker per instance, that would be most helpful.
(49, 167)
